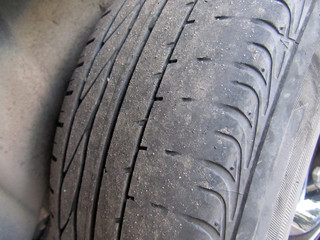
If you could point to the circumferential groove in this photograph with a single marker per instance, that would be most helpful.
(73, 116)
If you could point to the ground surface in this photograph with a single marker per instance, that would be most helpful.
(40, 42)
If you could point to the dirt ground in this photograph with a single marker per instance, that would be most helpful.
(40, 42)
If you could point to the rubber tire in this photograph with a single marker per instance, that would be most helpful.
(180, 119)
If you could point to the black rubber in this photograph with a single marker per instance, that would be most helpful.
(166, 115)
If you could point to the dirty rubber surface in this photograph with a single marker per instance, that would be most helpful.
(165, 115)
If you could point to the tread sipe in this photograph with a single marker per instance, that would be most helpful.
(165, 116)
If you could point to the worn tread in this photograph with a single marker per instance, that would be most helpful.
(143, 106)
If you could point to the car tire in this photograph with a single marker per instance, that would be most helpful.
(188, 119)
